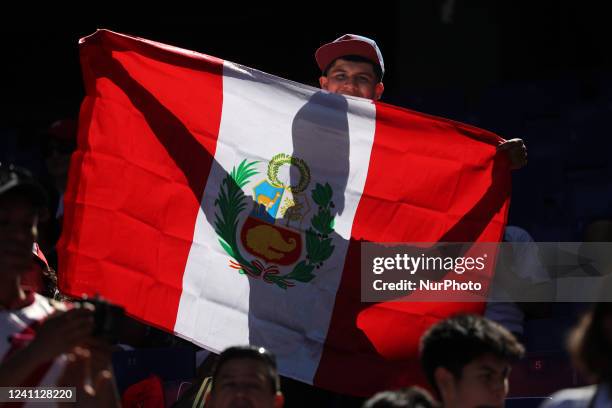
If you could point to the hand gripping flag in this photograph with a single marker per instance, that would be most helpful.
(227, 206)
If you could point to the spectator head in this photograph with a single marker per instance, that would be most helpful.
(412, 397)
(351, 65)
(467, 360)
(590, 343)
(21, 201)
(246, 376)
(58, 145)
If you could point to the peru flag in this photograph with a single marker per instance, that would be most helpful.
(227, 205)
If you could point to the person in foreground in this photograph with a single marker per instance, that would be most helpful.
(245, 376)
(467, 361)
(42, 342)
(590, 345)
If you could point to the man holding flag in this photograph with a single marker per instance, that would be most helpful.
(228, 206)
(353, 65)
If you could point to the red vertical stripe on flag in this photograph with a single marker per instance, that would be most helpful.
(147, 136)
(429, 180)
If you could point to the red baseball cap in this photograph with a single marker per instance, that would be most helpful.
(349, 44)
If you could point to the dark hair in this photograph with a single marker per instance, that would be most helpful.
(455, 342)
(590, 345)
(411, 397)
(356, 58)
(253, 353)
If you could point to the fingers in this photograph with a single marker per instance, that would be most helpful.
(106, 391)
(76, 369)
(78, 374)
(99, 391)
(516, 152)
(510, 144)
(101, 357)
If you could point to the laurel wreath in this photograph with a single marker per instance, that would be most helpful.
(232, 201)
(281, 159)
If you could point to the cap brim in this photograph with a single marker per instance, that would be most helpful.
(331, 51)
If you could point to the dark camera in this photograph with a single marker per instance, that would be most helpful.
(108, 318)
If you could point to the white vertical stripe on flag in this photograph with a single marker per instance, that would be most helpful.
(220, 307)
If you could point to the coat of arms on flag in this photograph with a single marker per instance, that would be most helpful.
(280, 221)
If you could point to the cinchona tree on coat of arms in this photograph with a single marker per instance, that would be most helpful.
(278, 240)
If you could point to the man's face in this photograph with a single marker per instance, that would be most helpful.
(483, 384)
(352, 78)
(18, 231)
(244, 383)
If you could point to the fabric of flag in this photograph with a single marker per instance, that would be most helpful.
(227, 205)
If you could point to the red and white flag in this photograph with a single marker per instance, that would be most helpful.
(227, 205)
